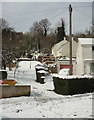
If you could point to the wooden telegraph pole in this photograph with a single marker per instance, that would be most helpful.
(70, 36)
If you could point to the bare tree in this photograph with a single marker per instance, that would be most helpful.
(44, 24)
(60, 31)
(11, 46)
(3, 24)
(39, 32)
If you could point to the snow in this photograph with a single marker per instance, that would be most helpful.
(86, 41)
(44, 102)
(27, 64)
(88, 59)
(2, 70)
(42, 71)
(26, 71)
(23, 59)
(70, 77)
(39, 67)
(65, 59)
(64, 72)
(43, 77)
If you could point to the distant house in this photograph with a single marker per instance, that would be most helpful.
(62, 49)
(85, 54)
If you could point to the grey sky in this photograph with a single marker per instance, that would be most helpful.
(22, 15)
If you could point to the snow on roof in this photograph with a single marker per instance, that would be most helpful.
(27, 64)
(43, 77)
(39, 67)
(89, 60)
(86, 41)
(65, 58)
(59, 44)
(24, 59)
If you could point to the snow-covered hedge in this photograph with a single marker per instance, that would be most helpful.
(72, 76)
(70, 85)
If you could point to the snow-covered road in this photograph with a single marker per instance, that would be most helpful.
(45, 103)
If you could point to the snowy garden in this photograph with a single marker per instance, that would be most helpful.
(47, 64)
(43, 102)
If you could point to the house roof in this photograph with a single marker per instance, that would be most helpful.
(89, 60)
(62, 43)
(65, 59)
(59, 44)
(86, 41)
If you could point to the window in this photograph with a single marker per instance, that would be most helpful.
(92, 67)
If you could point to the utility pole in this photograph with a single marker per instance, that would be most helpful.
(70, 37)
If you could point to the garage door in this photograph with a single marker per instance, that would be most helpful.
(64, 66)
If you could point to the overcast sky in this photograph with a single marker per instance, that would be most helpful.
(22, 15)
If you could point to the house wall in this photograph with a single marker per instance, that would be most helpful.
(57, 48)
(84, 59)
(87, 67)
(62, 49)
(79, 60)
(65, 50)
(87, 54)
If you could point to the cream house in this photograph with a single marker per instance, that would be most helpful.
(62, 49)
(85, 54)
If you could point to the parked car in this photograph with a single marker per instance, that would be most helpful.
(64, 72)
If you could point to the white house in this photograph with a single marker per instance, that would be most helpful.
(85, 54)
(62, 49)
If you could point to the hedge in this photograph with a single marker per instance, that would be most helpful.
(71, 86)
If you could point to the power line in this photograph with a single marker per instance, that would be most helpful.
(51, 17)
(58, 14)
(30, 17)
(29, 11)
(82, 13)
(82, 6)
(45, 10)
(34, 17)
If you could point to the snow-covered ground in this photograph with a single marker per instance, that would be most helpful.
(44, 102)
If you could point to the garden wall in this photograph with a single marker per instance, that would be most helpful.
(7, 91)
